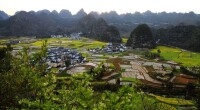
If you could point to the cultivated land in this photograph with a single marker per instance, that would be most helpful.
(184, 57)
(128, 66)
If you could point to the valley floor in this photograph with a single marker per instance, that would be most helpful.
(126, 66)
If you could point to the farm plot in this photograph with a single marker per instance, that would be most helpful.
(66, 42)
(135, 74)
(184, 79)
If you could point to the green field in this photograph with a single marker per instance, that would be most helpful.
(184, 57)
(84, 43)
(124, 40)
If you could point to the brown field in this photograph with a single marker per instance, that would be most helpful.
(184, 79)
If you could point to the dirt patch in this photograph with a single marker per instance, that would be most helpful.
(149, 68)
(184, 79)
(125, 62)
(116, 62)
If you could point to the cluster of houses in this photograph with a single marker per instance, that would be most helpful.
(13, 42)
(58, 36)
(111, 48)
(57, 57)
(74, 36)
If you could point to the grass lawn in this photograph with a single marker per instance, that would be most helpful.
(184, 57)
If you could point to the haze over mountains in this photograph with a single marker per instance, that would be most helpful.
(124, 22)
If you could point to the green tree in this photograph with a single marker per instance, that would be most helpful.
(74, 94)
(98, 72)
(23, 78)
(6, 81)
(158, 51)
(67, 63)
(5, 59)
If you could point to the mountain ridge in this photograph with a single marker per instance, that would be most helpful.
(45, 24)
(126, 22)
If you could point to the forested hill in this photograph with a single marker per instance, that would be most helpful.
(46, 23)
(127, 22)
(182, 36)
(141, 37)
(98, 29)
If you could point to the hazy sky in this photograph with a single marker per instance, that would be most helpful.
(121, 6)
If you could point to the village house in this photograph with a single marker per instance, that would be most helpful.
(75, 36)
(110, 48)
(57, 36)
(13, 42)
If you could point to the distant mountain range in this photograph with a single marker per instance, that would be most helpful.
(3, 15)
(45, 23)
(124, 22)
(175, 29)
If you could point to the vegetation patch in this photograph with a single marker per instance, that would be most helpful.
(124, 40)
(125, 79)
(163, 106)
